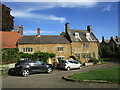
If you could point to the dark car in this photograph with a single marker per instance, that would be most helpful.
(26, 67)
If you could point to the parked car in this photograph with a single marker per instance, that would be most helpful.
(70, 64)
(26, 67)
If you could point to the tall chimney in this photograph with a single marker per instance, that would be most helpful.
(38, 32)
(67, 26)
(103, 39)
(89, 28)
(20, 30)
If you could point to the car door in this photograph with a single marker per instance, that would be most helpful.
(71, 64)
(39, 66)
(76, 64)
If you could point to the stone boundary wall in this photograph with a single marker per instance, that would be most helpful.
(7, 66)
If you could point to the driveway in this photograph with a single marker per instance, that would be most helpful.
(54, 80)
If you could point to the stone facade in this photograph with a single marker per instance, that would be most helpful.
(80, 43)
(50, 48)
(78, 48)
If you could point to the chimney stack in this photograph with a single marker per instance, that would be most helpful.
(38, 32)
(103, 39)
(20, 30)
(67, 26)
(89, 28)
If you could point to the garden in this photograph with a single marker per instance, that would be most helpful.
(108, 75)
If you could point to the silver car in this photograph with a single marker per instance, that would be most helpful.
(70, 64)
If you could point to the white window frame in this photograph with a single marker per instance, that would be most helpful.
(60, 49)
(27, 49)
(88, 37)
(77, 36)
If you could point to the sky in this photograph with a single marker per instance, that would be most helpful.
(51, 17)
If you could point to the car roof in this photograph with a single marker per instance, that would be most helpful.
(27, 61)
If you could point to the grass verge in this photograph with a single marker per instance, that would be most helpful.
(109, 74)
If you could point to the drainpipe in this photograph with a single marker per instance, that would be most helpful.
(70, 49)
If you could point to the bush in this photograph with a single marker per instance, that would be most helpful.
(94, 60)
(42, 56)
(74, 57)
(10, 55)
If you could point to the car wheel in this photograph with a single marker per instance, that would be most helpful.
(80, 67)
(68, 69)
(25, 72)
(49, 70)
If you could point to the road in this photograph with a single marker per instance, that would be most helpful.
(54, 80)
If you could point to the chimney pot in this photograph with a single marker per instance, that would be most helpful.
(20, 30)
(89, 28)
(67, 26)
(38, 32)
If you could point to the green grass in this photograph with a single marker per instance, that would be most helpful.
(109, 74)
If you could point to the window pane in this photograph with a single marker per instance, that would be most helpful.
(60, 48)
(27, 49)
(77, 55)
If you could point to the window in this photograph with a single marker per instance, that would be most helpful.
(86, 45)
(39, 63)
(86, 55)
(77, 36)
(60, 49)
(88, 37)
(60, 58)
(27, 49)
(76, 62)
(71, 61)
(77, 55)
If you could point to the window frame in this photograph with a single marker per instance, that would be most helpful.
(86, 55)
(85, 45)
(60, 49)
(27, 49)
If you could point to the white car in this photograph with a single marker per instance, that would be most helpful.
(70, 64)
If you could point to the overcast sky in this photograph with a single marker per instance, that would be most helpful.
(52, 16)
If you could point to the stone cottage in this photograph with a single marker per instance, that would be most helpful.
(80, 43)
(113, 42)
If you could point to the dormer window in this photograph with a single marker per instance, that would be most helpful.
(77, 36)
(88, 37)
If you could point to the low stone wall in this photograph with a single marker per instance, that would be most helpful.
(7, 66)
(88, 64)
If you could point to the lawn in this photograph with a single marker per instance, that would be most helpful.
(109, 74)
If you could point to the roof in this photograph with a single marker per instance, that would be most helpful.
(9, 38)
(82, 35)
(106, 41)
(44, 39)
(117, 40)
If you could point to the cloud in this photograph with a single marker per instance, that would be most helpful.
(59, 0)
(107, 8)
(26, 11)
(76, 4)
(28, 14)
(34, 32)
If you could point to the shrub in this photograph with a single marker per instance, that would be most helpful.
(42, 56)
(94, 60)
(74, 57)
(10, 55)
